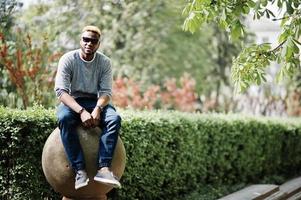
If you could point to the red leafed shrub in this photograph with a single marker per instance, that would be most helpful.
(128, 93)
(29, 67)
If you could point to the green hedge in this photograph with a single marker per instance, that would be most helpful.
(168, 153)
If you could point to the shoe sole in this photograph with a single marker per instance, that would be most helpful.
(82, 184)
(108, 182)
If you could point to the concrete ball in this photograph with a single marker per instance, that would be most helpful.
(59, 173)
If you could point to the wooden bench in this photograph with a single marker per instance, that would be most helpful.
(290, 190)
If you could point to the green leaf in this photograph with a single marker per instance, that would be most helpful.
(289, 53)
(185, 25)
(236, 30)
(283, 37)
(271, 13)
(296, 4)
(257, 6)
(246, 9)
(296, 41)
(267, 14)
(295, 48)
(223, 24)
(186, 9)
(289, 8)
(251, 4)
(263, 77)
(279, 76)
(279, 4)
(257, 79)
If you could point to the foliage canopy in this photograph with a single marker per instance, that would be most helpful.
(249, 66)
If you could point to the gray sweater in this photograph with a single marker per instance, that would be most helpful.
(80, 78)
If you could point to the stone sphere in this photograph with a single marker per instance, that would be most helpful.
(59, 173)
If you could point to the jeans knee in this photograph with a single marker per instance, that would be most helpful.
(116, 119)
(113, 122)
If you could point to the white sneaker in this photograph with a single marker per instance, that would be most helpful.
(107, 178)
(81, 179)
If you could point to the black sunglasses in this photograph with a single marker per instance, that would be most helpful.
(92, 40)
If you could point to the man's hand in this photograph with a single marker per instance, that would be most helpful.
(96, 116)
(87, 119)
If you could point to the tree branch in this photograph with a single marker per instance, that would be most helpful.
(278, 47)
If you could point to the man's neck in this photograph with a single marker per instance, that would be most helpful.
(86, 57)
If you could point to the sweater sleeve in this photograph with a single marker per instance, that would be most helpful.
(105, 82)
(63, 76)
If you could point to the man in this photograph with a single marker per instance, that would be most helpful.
(83, 84)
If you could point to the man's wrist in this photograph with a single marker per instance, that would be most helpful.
(81, 111)
(100, 107)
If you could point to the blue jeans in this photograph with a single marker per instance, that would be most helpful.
(110, 123)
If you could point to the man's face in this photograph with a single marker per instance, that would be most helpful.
(89, 42)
